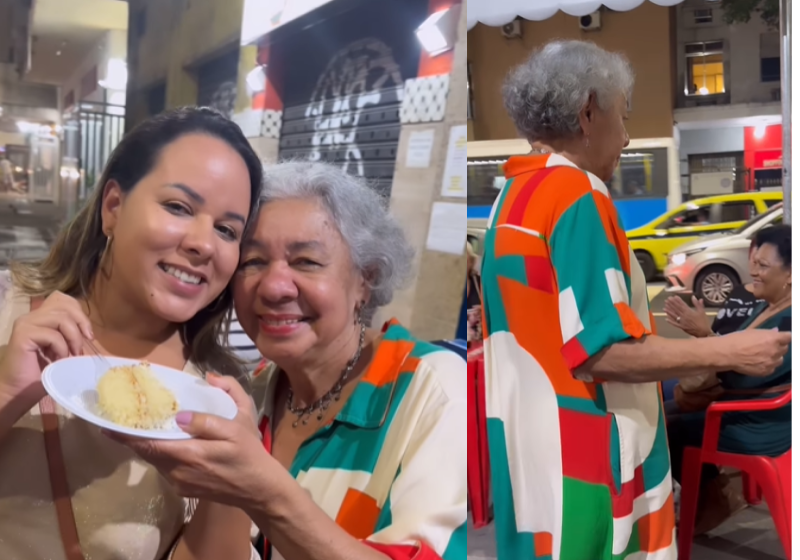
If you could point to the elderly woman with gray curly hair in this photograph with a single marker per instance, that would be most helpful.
(357, 449)
(580, 465)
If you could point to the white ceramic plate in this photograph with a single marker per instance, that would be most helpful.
(72, 383)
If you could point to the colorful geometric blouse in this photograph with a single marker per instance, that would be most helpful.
(391, 468)
(580, 467)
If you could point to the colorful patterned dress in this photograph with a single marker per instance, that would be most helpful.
(580, 467)
(391, 468)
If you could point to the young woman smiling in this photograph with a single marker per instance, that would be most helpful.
(143, 271)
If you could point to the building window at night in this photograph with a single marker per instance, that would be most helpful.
(705, 69)
(705, 15)
(770, 57)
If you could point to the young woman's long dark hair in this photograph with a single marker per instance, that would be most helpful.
(75, 257)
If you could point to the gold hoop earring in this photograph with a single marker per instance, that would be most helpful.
(106, 248)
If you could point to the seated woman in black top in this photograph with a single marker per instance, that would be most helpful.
(735, 311)
(693, 394)
(752, 433)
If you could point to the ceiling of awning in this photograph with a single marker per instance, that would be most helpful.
(496, 13)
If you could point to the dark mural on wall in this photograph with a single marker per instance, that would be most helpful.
(360, 78)
(342, 87)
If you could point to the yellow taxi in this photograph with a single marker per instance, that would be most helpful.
(703, 216)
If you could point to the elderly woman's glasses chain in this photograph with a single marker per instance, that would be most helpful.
(322, 404)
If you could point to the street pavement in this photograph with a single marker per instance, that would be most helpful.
(750, 535)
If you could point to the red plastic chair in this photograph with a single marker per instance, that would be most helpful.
(477, 445)
(770, 477)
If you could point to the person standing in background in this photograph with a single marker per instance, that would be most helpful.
(6, 174)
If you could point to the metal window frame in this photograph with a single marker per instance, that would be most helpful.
(703, 53)
(761, 70)
(706, 17)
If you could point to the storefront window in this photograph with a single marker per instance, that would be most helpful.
(692, 216)
(15, 178)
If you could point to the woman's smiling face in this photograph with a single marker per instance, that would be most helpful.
(297, 289)
(176, 235)
(772, 279)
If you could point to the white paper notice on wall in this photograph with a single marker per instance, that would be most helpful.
(420, 144)
(249, 121)
(447, 232)
(454, 182)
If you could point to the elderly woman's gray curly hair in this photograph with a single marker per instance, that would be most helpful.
(545, 94)
(378, 245)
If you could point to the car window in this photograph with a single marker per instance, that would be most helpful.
(696, 216)
(739, 211)
(771, 203)
(666, 223)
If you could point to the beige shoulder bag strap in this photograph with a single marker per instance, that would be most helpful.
(58, 475)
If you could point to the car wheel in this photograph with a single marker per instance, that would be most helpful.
(647, 263)
(715, 284)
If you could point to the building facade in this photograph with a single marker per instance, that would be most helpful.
(728, 109)
(93, 113)
(646, 183)
(182, 53)
(347, 82)
(645, 35)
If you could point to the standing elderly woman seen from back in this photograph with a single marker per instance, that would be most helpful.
(580, 467)
(362, 451)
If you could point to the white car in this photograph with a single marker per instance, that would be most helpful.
(710, 267)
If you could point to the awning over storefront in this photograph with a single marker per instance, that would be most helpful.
(496, 13)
